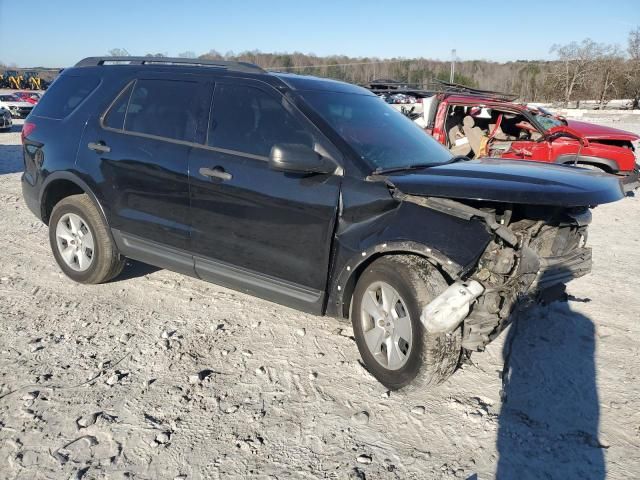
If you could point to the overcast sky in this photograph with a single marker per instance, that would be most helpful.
(59, 33)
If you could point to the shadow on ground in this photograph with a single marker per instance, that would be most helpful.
(10, 158)
(548, 426)
(135, 269)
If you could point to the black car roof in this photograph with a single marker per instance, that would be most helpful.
(308, 82)
(290, 80)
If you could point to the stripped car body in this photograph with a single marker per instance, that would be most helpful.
(480, 123)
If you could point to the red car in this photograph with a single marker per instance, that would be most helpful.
(478, 123)
(28, 97)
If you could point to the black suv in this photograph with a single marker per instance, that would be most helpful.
(305, 191)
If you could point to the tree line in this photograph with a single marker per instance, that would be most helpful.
(585, 70)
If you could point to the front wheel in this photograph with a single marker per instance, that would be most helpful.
(394, 345)
(81, 242)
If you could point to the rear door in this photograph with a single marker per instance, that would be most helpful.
(253, 228)
(139, 149)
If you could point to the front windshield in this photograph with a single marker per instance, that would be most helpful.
(380, 135)
(547, 121)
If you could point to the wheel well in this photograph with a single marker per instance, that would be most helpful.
(601, 166)
(605, 167)
(56, 191)
(350, 286)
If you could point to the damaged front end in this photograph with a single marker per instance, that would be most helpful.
(537, 218)
(550, 251)
(534, 249)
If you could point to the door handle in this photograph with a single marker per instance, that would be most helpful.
(216, 172)
(99, 147)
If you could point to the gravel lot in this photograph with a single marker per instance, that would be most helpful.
(158, 375)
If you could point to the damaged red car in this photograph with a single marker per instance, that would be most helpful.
(479, 123)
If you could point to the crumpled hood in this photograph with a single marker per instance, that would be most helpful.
(593, 131)
(506, 181)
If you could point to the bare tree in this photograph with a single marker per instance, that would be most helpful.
(609, 63)
(575, 66)
(187, 54)
(211, 55)
(632, 72)
(119, 52)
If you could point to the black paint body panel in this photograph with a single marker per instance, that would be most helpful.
(291, 238)
(512, 182)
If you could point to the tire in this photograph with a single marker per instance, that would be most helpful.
(74, 221)
(428, 359)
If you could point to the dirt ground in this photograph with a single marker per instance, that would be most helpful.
(157, 375)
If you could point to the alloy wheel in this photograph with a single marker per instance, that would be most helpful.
(386, 325)
(75, 242)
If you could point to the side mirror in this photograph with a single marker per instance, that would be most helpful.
(298, 158)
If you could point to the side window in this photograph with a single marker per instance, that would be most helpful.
(115, 116)
(64, 95)
(246, 119)
(164, 108)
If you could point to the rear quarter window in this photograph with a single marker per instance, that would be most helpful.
(65, 95)
(162, 108)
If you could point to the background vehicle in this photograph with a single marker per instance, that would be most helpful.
(304, 191)
(30, 97)
(18, 107)
(6, 122)
(480, 123)
(33, 81)
(12, 79)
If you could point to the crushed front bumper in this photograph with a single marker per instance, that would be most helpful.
(533, 274)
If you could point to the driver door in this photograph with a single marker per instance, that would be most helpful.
(255, 229)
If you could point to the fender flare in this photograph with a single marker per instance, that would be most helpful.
(71, 177)
(610, 165)
(342, 283)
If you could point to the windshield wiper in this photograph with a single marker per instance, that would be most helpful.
(403, 168)
(381, 171)
(457, 158)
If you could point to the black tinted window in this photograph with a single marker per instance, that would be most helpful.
(65, 94)
(248, 120)
(165, 108)
(115, 117)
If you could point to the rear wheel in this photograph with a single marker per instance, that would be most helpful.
(81, 242)
(394, 345)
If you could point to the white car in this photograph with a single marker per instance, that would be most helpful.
(18, 107)
(5, 119)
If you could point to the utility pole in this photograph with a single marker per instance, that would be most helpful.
(453, 65)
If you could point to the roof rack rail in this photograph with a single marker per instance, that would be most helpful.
(229, 65)
(433, 87)
(456, 87)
